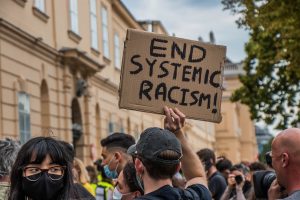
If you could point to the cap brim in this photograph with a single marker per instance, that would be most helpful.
(132, 150)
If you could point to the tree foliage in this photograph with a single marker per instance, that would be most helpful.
(271, 84)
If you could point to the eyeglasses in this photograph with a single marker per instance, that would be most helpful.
(34, 173)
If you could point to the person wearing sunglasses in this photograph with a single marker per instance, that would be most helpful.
(41, 171)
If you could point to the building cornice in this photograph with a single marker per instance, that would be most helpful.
(126, 14)
(78, 59)
(19, 37)
(106, 84)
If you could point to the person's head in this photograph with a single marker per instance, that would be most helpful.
(286, 158)
(69, 149)
(240, 169)
(207, 157)
(257, 166)
(92, 172)
(158, 153)
(128, 186)
(41, 169)
(114, 153)
(82, 174)
(223, 165)
(8, 153)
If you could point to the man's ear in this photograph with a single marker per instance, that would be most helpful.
(118, 156)
(285, 160)
(139, 167)
(178, 167)
(137, 194)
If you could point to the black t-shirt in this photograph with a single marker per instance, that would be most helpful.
(193, 192)
(217, 185)
(81, 193)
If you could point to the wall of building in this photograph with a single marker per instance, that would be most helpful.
(41, 57)
(235, 135)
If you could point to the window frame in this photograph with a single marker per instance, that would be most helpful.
(105, 31)
(73, 13)
(24, 117)
(117, 51)
(94, 25)
(40, 5)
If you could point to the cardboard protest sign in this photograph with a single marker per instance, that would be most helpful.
(160, 70)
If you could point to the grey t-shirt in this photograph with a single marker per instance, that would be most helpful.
(294, 196)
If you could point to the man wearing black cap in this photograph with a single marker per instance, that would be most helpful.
(160, 153)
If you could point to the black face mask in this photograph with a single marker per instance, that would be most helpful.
(44, 188)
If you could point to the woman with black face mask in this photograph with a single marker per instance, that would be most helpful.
(42, 171)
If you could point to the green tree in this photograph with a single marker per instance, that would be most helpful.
(271, 84)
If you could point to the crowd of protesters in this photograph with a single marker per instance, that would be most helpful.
(160, 165)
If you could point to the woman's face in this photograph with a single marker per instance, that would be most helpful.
(124, 189)
(43, 179)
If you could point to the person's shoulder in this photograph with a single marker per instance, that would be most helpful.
(293, 196)
(81, 192)
(217, 177)
(196, 191)
(165, 192)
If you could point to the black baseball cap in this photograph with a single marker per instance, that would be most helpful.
(152, 142)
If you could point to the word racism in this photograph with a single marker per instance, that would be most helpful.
(159, 67)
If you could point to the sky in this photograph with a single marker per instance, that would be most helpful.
(192, 19)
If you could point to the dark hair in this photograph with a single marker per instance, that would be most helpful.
(41, 147)
(130, 178)
(158, 170)
(69, 149)
(240, 167)
(257, 166)
(207, 155)
(120, 140)
(223, 164)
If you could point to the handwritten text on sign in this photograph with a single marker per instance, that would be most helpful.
(160, 70)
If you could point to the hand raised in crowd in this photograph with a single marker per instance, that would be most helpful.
(174, 120)
(233, 183)
(275, 191)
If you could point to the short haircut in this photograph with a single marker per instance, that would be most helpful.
(130, 178)
(257, 166)
(223, 164)
(240, 167)
(8, 153)
(158, 170)
(120, 140)
(206, 155)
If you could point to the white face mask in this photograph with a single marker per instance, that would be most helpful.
(117, 195)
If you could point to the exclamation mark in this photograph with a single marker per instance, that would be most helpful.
(214, 110)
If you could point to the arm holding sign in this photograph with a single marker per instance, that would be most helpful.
(191, 164)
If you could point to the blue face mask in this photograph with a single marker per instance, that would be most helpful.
(110, 174)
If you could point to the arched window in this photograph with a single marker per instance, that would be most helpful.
(77, 129)
(45, 114)
(24, 116)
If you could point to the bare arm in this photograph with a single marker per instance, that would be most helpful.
(191, 164)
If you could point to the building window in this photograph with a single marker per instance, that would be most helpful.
(117, 51)
(24, 116)
(40, 4)
(110, 127)
(105, 32)
(74, 16)
(94, 32)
